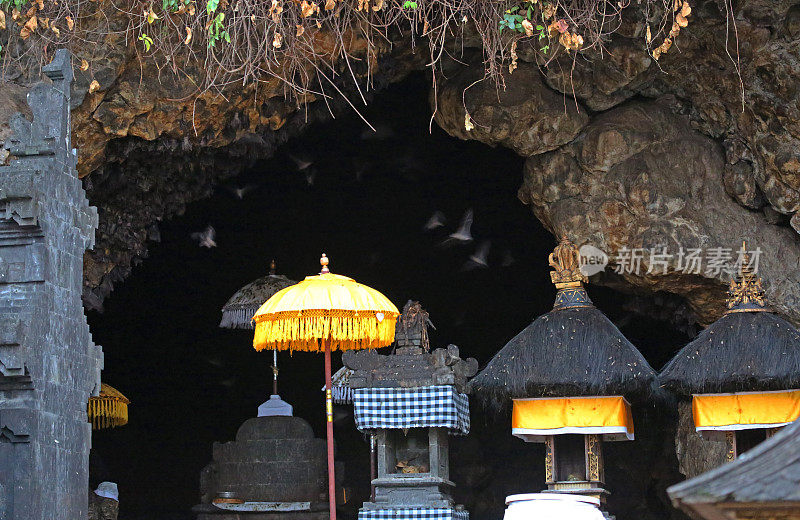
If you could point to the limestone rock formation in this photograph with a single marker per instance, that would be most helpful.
(526, 116)
(732, 74)
(696, 455)
(640, 177)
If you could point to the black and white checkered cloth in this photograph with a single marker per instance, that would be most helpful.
(437, 406)
(413, 514)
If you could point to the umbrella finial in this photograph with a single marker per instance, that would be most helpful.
(324, 263)
(273, 267)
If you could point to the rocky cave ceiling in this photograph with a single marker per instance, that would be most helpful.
(698, 149)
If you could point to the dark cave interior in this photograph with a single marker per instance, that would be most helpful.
(365, 204)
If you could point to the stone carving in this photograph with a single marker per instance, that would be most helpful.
(48, 363)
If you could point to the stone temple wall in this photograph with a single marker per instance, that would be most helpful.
(48, 363)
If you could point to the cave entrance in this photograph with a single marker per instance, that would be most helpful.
(365, 202)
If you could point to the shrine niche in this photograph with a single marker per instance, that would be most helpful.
(410, 402)
(570, 378)
(741, 374)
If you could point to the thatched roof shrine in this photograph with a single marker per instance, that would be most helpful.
(573, 350)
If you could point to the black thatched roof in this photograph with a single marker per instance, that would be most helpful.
(742, 351)
(573, 350)
(767, 474)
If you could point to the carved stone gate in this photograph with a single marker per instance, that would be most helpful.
(48, 363)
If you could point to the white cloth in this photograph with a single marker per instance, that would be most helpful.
(274, 406)
(107, 490)
(552, 506)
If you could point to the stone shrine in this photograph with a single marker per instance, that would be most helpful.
(49, 365)
(275, 469)
(411, 401)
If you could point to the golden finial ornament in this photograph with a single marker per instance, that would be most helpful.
(273, 267)
(565, 259)
(745, 292)
(324, 263)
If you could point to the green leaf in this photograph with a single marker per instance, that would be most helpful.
(211, 6)
(227, 37)
(147, 41)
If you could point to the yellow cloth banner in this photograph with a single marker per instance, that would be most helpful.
(610, 415)
(746, 410)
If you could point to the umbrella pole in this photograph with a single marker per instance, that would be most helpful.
(329, 424)
(275, 371)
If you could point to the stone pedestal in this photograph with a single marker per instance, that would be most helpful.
(275, 463)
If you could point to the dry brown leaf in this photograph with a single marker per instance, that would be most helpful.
(307, 9)
(363, 5)
(330, 5)
(277, 40)
(29, 27)
(275, 11)
(45, 23)
(319, 24)
(378, 5)
(31, 11)
(528, 27)
(151, 16)
(2, 20)
(681, 20)
(513, 65)
(548, 11)
(40, 3)
(94, 86)
(70, 23)
(56, 31)
(468, 122)
(676, 29)
(15, 14)
(648, 35)
(300, 30)
(677, 5)
(656, 53)
(666, 45)
(686, 9)
(188, 39)
(571, 41)
(84, 65)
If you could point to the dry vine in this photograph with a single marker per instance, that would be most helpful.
(306, 44)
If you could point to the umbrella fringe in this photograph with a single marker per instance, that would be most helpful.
(105, 412)
(238, 318)
(345, 332)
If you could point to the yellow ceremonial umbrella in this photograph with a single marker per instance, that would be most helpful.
(326, 312)
(109, 409)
